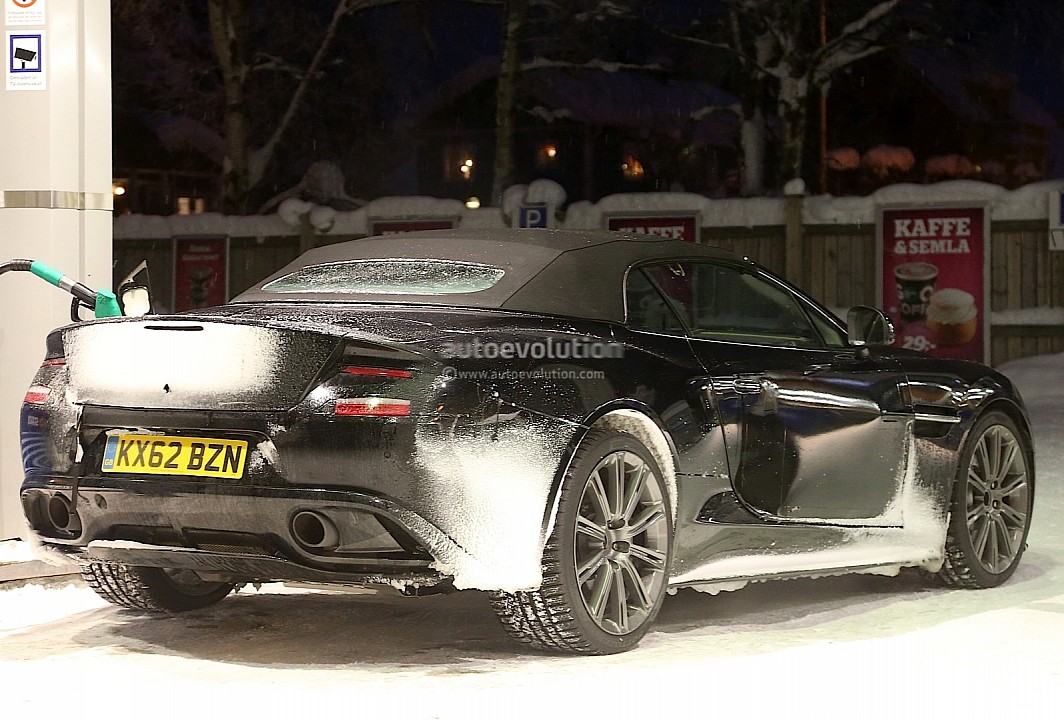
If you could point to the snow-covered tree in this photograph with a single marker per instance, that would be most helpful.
(229, 29)
(786, 62)
(570, 34)
(228, 80)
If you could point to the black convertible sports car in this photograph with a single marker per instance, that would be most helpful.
(574, 421)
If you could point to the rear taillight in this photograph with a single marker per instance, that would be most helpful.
(363, 371)
(372, 407)
(53, 362)
(37, 395)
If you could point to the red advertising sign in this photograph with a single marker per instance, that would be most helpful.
(200, 272)
(390, 227)
(672, 227)
(934, 279)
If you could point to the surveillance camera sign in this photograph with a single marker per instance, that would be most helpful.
(25, 61)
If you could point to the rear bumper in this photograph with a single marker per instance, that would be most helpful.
(244, 568)
(245, 533)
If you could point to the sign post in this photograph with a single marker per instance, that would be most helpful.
(1056, 220)
(55, 190)
(933, 279)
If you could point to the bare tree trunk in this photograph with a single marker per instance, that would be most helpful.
(229, 30)
(515, 12)
(753, 136)
(794, 116)
(753, 139)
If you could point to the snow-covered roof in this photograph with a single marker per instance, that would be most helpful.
(632, 98)
(952, 75)
(604, 95)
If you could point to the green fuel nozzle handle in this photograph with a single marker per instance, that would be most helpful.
(103, 302)
(107, 304)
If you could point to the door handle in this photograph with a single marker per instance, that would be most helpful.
(752, 385)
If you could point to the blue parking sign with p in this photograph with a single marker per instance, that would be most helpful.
(532, 216)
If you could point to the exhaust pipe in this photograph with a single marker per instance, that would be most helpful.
(315, 531)
(61, 516)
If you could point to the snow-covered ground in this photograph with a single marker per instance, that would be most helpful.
(850, 647)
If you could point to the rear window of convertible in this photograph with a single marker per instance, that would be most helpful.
(388, 277)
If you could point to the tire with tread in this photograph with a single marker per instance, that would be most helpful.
(556, 616)
(151, 589)
(994, 487)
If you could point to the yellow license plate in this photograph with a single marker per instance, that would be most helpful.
(169, 455)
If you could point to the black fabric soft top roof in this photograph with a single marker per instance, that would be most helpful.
(572, 273)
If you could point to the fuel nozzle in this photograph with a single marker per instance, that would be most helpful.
(102, 302)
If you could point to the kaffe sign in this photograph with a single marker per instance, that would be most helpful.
(200, 272)
(673, 227)
(934, 279)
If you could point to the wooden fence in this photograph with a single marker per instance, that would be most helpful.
(837, 266)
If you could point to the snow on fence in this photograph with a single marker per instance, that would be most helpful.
(831, 252)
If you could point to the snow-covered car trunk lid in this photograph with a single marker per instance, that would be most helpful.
(183, 363)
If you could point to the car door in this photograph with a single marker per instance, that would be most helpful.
(815, 430)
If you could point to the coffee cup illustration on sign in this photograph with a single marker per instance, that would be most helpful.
(951, 316)
(916, 284)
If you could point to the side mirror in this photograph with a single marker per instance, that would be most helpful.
(136, 300)
(134, 292)
(868, 326)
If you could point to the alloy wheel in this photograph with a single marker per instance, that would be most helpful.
(998, 499)
(622, 542)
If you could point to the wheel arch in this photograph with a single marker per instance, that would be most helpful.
(1015, 412)
(636, 419)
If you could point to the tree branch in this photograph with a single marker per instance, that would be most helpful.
(736, 52)
(262, 156)
(859, 30)
(541, 63)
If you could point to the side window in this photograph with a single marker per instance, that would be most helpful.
(733, 304)
(833, 337)
(647, 309)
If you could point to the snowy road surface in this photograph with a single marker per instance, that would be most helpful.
(854, 647)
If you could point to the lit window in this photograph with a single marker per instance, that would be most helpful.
(631, 168)
(546, 155)
(191, 206)
(458, 162)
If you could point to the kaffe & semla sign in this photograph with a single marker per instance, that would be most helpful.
(933, 279)
(201, 272)
(680, 226)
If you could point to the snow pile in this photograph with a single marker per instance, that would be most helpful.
(735, 212)
(1029, 202)
(12, 551)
